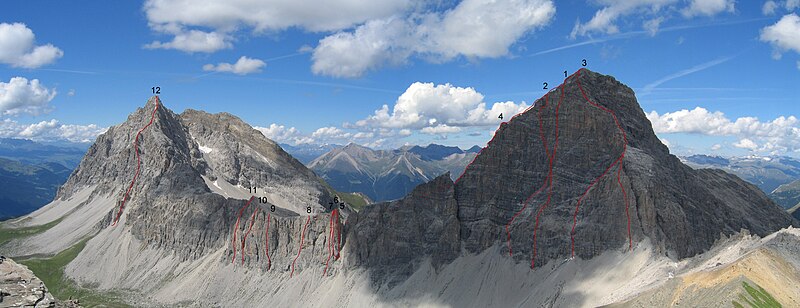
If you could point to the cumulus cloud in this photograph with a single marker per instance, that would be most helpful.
(651, 12)
(604, 20)
(19, 95)
(183, 19)
(769, 8)
(269, 15)
(51, 130)
(279, 133)
(708, 7)
(442, 129)
(330, 132)
(18, 47)
(473, 29)
(427, 105)
(746, 144)
(194, 41)
(780, 135)
(716, 147)
(784, 35)
(243, 66)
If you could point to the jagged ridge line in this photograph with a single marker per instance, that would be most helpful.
(138, 163)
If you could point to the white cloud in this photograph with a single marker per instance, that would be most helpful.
(280, 133)
(769, 8)
(651, 13)
(442, 129)
(405, 132)
(330, 132)
(792, 4)
(182, 19)
(694, 69)
(19, 95)
(269, 15)
(652, 25)
(370, 46)
(51, 130)
(716, 147)
(777, 136)
(783, 35)
(363, 135)
(18, 48)
(243, 66)
(427, 105)
(604, 20)
(746, 144)
(195, 41)
(473, 29)
(708, 7)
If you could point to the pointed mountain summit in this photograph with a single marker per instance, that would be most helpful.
(582, 172)
(193, 172)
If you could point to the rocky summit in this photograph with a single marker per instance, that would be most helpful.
(610, 174)
(202, 209)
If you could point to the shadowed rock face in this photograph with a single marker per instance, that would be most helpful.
(683, 211)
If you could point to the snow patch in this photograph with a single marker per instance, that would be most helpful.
(205, 149)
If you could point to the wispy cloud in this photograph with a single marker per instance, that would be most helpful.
(67, 71)
(644, 33)
(694, 69)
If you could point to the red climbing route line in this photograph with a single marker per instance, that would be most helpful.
(331, 249)
(266, 243)
(549, 179)
(544, 183)
(338, 230)
(625, 196)
(244, 238)
(138, 164)
(302, 238)
(619, 160)
(236, 227)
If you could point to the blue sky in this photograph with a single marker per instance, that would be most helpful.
(715, 76)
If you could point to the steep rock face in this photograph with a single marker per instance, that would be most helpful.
(390, 238)
(682, 210)
(584, 127)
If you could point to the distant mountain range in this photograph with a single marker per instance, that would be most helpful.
(305, 153)
(787, 195)
(31, 152)
(389, 174)
(31, 172)
(768, 173)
